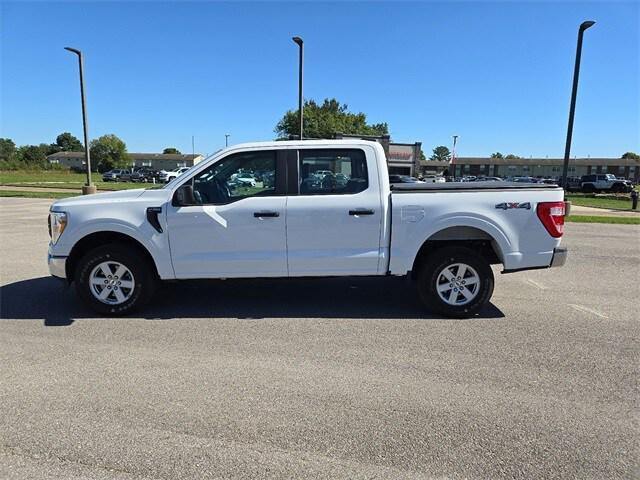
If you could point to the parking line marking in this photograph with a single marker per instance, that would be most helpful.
(536, 284)
(584, 309)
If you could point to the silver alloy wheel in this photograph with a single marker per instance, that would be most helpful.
(111, 283)
(458, 284)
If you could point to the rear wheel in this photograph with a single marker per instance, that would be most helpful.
(588, 188)
(114, 280)
(456, 282)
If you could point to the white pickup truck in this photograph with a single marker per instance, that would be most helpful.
(292, 222)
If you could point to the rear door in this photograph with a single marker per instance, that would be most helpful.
(334, 214)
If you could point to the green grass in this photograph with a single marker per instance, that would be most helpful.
(623, 202)
(58, 179)
(55, 195)
(602, 219)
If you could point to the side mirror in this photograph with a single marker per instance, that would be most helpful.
(184, 196)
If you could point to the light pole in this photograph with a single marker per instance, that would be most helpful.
(453, 154)
(572, 107)
(89, 187)
(300, 43)
(226, 139)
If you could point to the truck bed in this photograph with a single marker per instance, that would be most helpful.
(453, 186)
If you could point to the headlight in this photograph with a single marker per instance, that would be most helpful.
(57, 224)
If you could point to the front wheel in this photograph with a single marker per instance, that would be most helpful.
(114, 279)
(456, 282)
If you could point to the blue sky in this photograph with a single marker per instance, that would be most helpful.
(496, 73)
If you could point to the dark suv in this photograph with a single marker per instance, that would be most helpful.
(145, 175)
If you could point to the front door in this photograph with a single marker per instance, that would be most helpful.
(236, 227)
(335, 219)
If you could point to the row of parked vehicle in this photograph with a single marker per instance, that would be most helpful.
(142, 175)
(595, 183)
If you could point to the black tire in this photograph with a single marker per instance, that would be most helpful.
(588, 188)
(428, 280)
(143, 274)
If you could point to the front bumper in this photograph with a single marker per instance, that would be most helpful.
(559, 257)
(57, 266)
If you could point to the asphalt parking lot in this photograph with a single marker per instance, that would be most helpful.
(343, 378)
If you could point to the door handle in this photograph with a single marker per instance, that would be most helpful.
(361, 212)
(266, 214)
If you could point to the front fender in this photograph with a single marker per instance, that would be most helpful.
(155, 243)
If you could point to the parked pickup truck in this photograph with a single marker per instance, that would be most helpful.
(116, 246)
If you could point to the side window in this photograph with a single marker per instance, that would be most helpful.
(333, 172)
(238, 176)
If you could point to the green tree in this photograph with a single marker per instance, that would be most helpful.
(510, 156)
(68, 143)
(631, 156)
(441, 153)
(324, 121)
(33, 155)
(7, 149)
(108, 152)
(497, 155)
(171, 150)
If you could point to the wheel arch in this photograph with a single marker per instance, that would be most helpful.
(472, 237)
(96, 239)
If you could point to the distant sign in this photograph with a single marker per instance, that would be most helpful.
(401, 153)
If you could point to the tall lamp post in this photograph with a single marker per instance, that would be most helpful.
(300, 43)
(453, 154)
(572, 108)
(226, 139)
(89, 187)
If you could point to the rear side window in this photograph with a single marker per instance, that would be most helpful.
(333, 172)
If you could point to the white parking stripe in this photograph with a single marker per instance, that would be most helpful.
(584, 309)
(536, 284)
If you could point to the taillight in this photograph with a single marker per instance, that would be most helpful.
(551, 214)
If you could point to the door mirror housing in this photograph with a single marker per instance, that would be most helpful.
(184, 196)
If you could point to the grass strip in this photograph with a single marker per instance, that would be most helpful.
(602, 219)
(12, 193)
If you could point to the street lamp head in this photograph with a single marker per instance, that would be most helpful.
(298, 40)
(587, 24)
(73, 50)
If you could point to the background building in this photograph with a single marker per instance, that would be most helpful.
(159, 161)
(544, 167)
(402, 158)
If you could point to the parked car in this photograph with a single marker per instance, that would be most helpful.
(167, 176)
(145, 175)
(524, 180)
(245, 180)
(434, 179)
(403, 179)
(605, 182)
(489, 179)
(574, 184)
(115, 175)
(444, 237)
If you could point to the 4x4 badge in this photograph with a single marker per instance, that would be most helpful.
(510, 205)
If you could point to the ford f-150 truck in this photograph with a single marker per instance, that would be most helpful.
(348, 221)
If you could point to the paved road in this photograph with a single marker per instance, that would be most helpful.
(322, 378)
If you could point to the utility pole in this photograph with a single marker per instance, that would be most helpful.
(89, 187)
(226, 139)
(572, 107)
(453, 154)
(300, 43)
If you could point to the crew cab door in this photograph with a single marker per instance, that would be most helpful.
(233, 228)
(334, 217)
